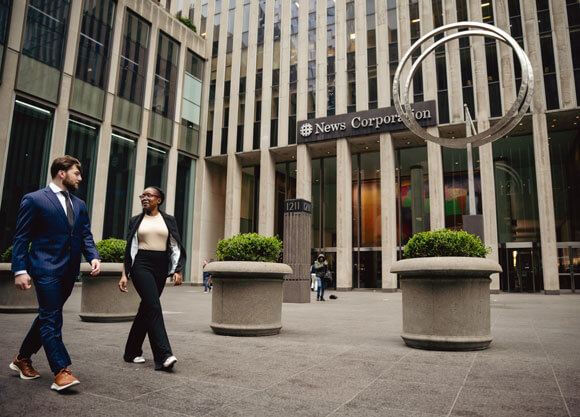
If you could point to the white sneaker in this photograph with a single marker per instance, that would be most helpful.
(169, 362)
(139, 359)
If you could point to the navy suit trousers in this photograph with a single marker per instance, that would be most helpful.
(46, 330)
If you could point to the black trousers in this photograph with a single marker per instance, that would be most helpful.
(148, 273)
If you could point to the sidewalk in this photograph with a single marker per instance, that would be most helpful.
(341, 357)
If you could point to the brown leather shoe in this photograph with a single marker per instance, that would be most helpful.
(24, 367)
(64, 379)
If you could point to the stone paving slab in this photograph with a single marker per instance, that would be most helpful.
(336, 358)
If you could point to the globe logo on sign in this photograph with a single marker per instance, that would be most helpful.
(306, 129)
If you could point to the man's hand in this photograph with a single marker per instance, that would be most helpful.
(177, 278)
(22, 282)
(123, 283)
(96, 267)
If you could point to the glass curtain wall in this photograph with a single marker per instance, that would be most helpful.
(324, 203)
(517, 213)
(393, 23)
(184, 203)
(573, 9)
(330, 60)
(415, 24)
(311, 81)
(82, 142)
(5, 12)
(366, 218)
(293, 72)
(350, 57)
(285, 190)
(249, 209)
(372, 54)
(156, 167)
(133, 62)
(465, 57)
(413, 212)
(26, 163)
(565, 163)
(119, 195)
(455, 182)
(165, 83)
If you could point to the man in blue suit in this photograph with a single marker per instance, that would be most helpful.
(52, 231)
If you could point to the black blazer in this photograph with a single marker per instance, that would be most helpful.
(171, 224)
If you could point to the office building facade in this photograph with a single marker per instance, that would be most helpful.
(282, 100)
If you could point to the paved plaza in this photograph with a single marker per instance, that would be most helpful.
(341, 357)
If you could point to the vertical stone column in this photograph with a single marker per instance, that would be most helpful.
(297, 231)
(303, 173)
(233, 197)
(388, 213)
(343, 215)
(361, 73)
(249, 116)
(383, 73)
(417, 202)
(321, 60)
(284, 84)
(453, 67)
(545, 204)
(436, 190)
(340, 58)
(267, 192)
(8, 81)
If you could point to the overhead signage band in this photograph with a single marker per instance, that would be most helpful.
(363, 123)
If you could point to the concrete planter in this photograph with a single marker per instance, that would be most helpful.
(247, 297)
(446, 302)
(101, 299)
(13, 300)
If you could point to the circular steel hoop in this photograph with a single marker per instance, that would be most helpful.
(499, 129)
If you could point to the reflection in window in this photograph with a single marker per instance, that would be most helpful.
(366, 200)
(515, 189)
(565, 162)
(324, 202)
(191, 104)
(455, 182)
(165, 83)
(184, 202)
(249, 209)
(156, 167)
(285, 190)
(119, 195)
(413, 211)
(26, 163)
(133, 62)
(94, 41)
(45, 32)
(81, 142)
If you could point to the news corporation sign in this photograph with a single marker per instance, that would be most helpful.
(363, 123)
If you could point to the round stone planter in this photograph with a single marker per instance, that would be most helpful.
(247, 297)
(13, 300)
(446, 302)
(101, 299)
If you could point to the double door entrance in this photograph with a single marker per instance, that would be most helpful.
(520, 262)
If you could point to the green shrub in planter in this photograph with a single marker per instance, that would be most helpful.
(112, 250)
(445, 243)
(7, 255)
(249, 247)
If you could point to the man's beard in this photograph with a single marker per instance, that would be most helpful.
(70, 185)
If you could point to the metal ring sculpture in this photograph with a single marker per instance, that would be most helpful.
(507, 122)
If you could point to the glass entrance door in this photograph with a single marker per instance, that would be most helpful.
(520, 264)
(569, 265)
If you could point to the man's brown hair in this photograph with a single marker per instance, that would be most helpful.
(64, 163)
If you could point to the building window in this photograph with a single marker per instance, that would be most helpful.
(573, 9)
(45, 33)
(156, 167)
(26, 162)
(285, 190)
(455, 183)
(133, 62)
(191, 104)
(350, 57)
(249, 209)
(82, 142)
(95, 41)
(515, 190)
(392, 20)
(165, 83)
(415, 34)
(5, 12)
(323, 203)
(465, 57)
(119, 194)
(548, 61)
(184, 202)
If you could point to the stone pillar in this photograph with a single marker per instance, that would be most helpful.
(297, 231)
(417, 202)
(233, 197)
(267, 192)
(343, 215)
(388, 213)
(436, 189)
(303, 173)
(545, 204)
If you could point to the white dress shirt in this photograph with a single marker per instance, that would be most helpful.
(62, 200)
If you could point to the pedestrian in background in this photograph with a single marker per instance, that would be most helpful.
(206, 276)
(320, 268)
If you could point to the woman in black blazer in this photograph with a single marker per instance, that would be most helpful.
(154, 252)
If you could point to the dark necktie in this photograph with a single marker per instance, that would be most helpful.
(70, 214)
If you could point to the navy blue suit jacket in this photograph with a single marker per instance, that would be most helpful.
(55, 247)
